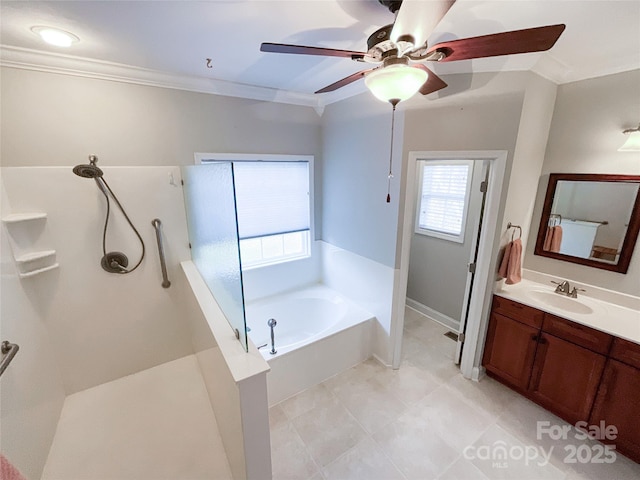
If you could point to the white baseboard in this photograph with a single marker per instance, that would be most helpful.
(441, 318)
(380, 361)
(478, 374)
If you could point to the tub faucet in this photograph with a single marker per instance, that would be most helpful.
(272, 323)
(562, 287)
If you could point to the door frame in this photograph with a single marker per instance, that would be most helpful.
(481, 294)
(473, 259)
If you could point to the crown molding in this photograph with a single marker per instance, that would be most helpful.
(36, 60)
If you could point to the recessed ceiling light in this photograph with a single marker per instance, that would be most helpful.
(55, 36)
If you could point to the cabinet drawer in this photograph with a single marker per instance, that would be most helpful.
(517, 311)
(576, 333)
(626, 351)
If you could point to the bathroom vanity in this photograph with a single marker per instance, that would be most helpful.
(569, 364)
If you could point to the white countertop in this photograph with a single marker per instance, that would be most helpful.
(608, 317)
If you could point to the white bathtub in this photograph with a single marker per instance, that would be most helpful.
(319, 333)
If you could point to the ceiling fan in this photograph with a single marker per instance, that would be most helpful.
(401, 49)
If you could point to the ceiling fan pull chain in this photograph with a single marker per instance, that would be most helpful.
(393, 116)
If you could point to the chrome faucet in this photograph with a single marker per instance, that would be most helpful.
(563, 287)
(574, 292)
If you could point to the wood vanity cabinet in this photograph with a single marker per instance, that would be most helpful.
(512, 340)
(552, 361)
(565, 378)
(575, 372)
(618, 399)
(567, 368)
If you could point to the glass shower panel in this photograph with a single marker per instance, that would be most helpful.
(213, 233)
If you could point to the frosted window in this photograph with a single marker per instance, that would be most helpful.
(443, 198)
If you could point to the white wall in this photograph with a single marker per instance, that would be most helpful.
(50, 119)
(104, 326)
(588, 119)
(369, 284)
(31, 390)
(528, 157)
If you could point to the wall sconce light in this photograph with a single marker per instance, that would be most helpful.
(633, 142)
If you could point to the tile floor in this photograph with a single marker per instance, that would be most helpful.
(155, 424)
(423, 421)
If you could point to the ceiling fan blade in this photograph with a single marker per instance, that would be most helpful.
(303, 50)
(433, 83)
(419, 18)
(345, 81)
(507, 43)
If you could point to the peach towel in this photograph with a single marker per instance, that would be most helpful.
(511, 266)
(547, 239)
(8, 471)
(556, 239)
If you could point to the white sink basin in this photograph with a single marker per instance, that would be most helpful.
(560, 301)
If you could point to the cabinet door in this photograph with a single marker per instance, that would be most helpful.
(565, 378)
(617, 404)
(510, 350)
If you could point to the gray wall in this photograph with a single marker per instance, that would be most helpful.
(438, 268)
(463, 123)
(55, 120)
(588, 119)
(356, 138)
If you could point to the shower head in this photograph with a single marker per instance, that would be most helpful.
(87, 171)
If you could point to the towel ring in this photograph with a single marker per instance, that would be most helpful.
(511, 225)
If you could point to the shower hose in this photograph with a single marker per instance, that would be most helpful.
(102, 183)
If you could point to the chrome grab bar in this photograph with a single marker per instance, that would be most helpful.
(163, 264)
(272, 323)
(9, 350)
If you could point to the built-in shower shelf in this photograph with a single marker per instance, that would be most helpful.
(34, 256)
(40, 270)
(23, 217)
(30, 243)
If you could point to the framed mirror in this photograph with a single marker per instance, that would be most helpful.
(590, 219)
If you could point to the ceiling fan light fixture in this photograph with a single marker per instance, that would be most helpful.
(633, 141)
(55, 36)
(395, 82)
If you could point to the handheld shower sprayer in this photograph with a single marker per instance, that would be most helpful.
(112, 262)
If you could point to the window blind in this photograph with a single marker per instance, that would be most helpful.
(271, 197)
(444, 190)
